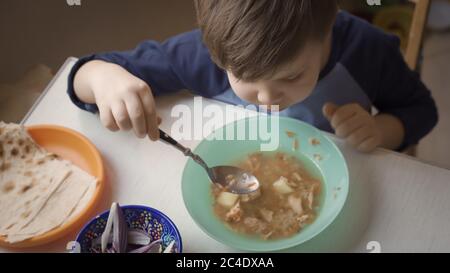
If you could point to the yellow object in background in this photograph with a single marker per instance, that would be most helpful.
(395, 20)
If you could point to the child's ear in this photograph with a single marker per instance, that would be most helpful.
(329, 109)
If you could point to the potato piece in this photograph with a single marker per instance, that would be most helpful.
(227, 199)
(296, 204)
(281, 186)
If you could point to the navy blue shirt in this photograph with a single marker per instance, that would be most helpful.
(365, 66)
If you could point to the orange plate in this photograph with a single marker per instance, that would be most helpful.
(76, 148)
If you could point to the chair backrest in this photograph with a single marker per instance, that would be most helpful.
(414, 44)
(415, 38)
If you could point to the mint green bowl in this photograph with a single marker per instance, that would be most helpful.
(331, 169)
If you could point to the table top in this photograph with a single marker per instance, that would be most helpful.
(396, 203)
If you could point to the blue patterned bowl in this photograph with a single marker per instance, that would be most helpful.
(155, 223)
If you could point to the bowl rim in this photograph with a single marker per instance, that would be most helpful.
(289, 244)
(132, 207)
(83, 215)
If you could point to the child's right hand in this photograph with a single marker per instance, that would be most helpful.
(124, 101)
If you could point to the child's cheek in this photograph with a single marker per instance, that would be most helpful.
(299, 93)
(244, 91)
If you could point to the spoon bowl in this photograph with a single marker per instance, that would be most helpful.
(235, 180)
(231, 179)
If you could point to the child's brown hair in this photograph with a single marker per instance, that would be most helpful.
(252, 38)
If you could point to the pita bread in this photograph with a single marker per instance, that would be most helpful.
(38, 190)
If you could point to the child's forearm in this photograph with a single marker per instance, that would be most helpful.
(392, 131)
(82, 81)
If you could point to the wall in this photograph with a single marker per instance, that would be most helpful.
(48, 31)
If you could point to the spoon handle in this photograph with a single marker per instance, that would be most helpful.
(186, 151)
(169, 140)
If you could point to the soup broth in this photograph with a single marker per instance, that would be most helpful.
(287, 200)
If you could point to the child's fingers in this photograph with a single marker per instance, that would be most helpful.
(342, 114)
(107, 119)
(350, 125)
(137, 115)
(121, 117)
(368, 145)
(159, 120)
(359, 136)
(150, 114)
(329, 109)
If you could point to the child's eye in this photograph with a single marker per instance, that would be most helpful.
(294, 78)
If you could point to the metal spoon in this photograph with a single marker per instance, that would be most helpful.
(232, 179)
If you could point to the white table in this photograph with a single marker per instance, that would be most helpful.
(395, 200)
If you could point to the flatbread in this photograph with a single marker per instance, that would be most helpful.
(38, 190)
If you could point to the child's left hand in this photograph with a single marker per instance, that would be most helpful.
(354, 124)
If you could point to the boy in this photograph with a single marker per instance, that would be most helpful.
(320, 65)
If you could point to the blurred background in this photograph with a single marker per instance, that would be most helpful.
(37, 36)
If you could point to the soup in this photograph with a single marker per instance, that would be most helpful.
(286, 201)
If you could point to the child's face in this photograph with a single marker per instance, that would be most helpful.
(292, 83)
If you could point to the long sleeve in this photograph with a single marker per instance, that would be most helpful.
(402, 94)
(375, 61)
(181, 62)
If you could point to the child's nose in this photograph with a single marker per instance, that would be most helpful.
(269, 97)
